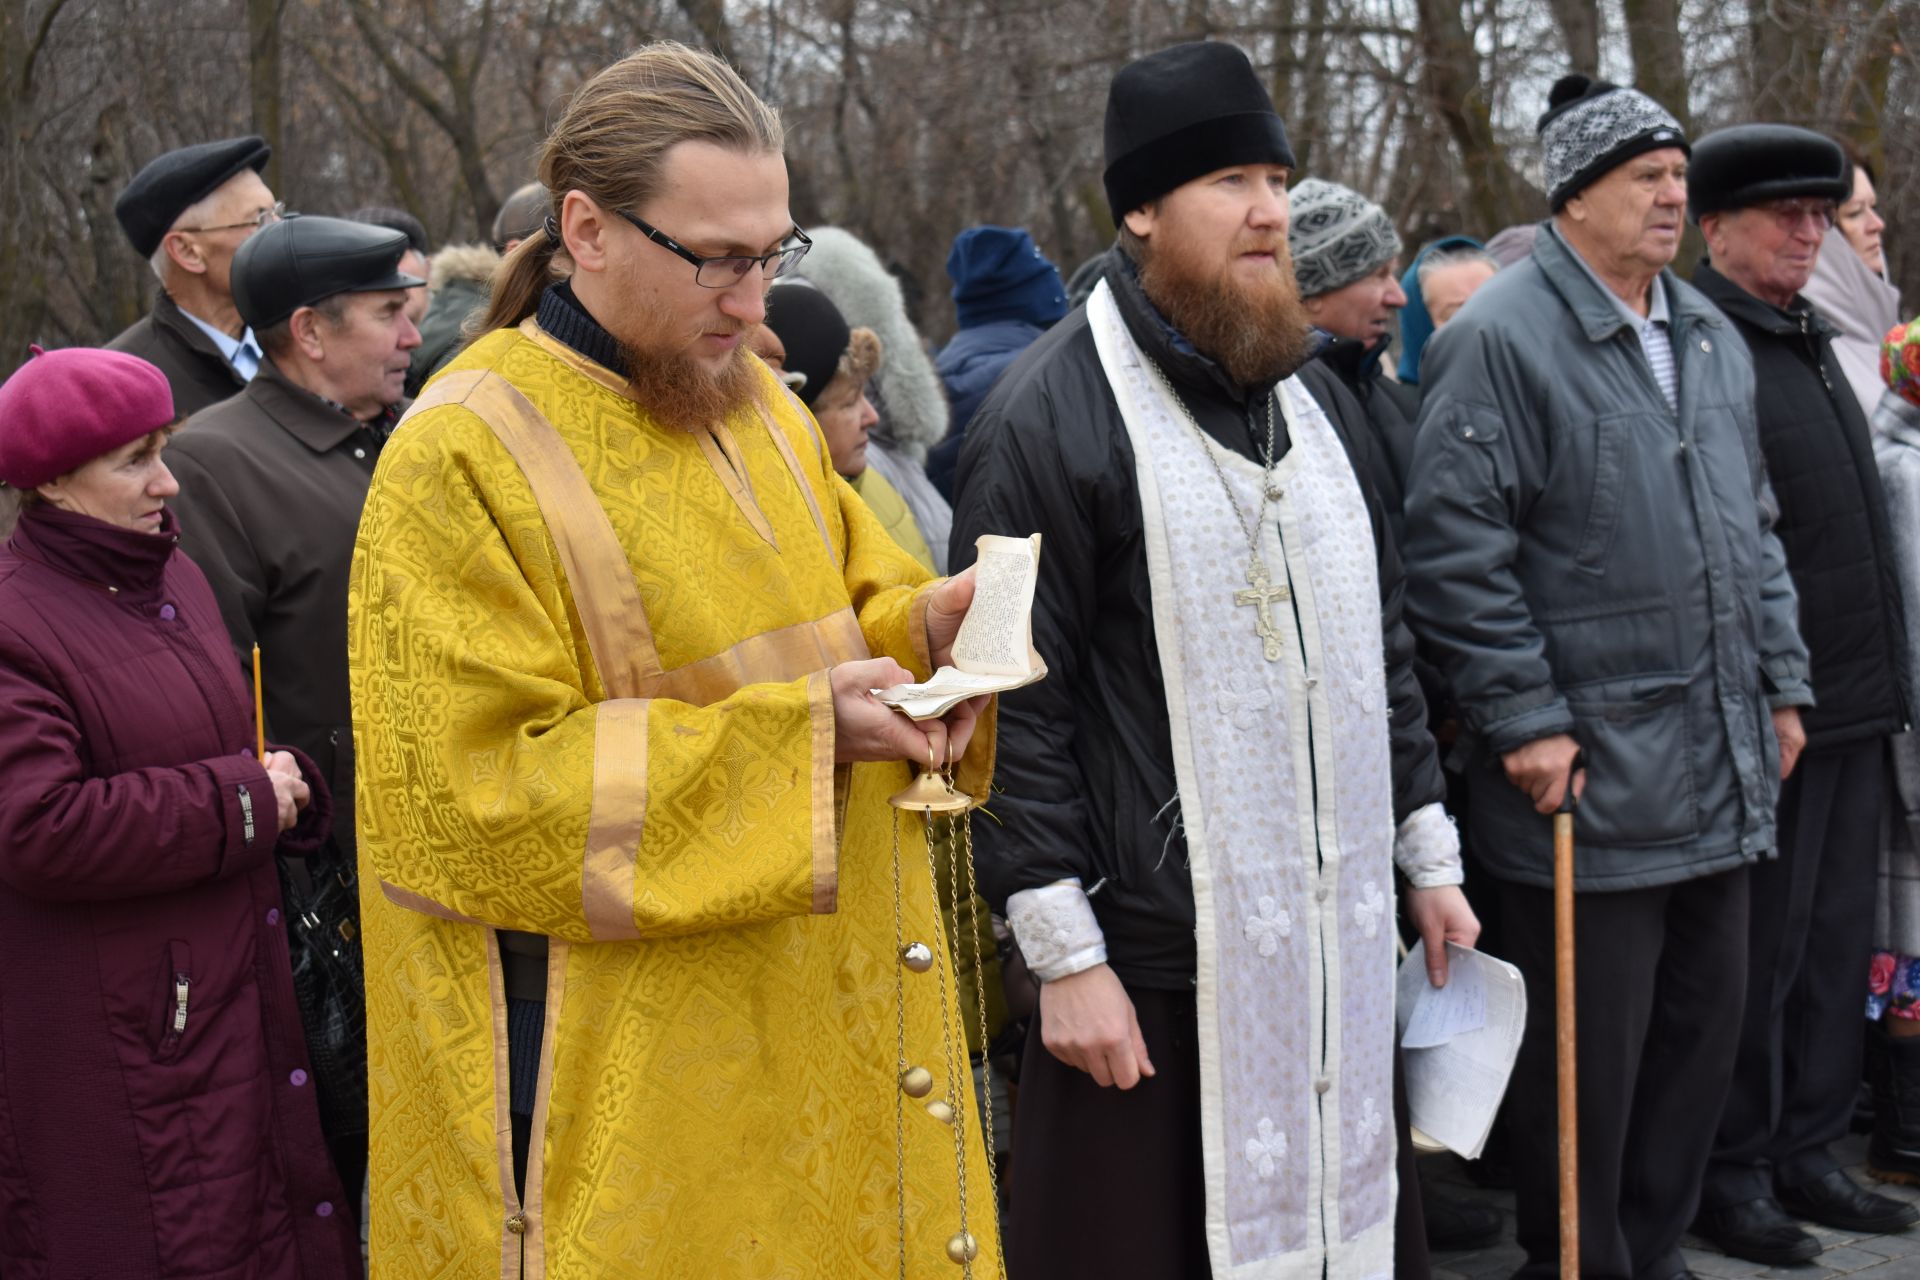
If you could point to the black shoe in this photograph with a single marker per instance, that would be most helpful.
(1759, 1231)
(1835, 1200)
(1455, 1224)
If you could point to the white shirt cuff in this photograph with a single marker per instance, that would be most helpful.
(1055, 928)
(1426, 848)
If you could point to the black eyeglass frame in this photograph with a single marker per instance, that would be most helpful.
(772, 265)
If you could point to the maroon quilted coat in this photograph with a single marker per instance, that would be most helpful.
(156, 1118)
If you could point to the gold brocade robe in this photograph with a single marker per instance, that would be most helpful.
(617, 731)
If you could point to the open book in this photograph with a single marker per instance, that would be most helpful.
(1458, 1044)
(994, 650)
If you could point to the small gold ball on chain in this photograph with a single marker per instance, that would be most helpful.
(962, 1247)
(916, 1082)
(917, 956)
(942, 1110)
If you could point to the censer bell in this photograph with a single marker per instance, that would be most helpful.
(931, 792)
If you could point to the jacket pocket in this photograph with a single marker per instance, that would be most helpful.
(1606, 493)
(1637, 735)
(176, 1003)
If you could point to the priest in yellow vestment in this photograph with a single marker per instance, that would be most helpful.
(629, 889)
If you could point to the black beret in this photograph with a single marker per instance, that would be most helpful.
(301, 261)
(812, 330)
(162, 191)
(1182, 113)
(1750, 164)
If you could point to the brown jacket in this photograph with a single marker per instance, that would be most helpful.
(271, 486)
(195, 369)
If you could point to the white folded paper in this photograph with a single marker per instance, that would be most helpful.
(994, 650)
(1459, 1043)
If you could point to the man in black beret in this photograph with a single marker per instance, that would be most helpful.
(1591, 566)
(1201, 811)
(187, 213)
(271, 486)
(1764, 196)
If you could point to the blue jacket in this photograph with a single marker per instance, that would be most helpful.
(969, 365)
(1581, 559)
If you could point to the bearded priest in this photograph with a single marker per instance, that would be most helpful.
(636, 951)
(1202, 808)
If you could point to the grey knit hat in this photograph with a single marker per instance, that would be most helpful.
(1337, 236)
(1592, 127)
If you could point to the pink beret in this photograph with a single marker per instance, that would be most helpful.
(64, 408)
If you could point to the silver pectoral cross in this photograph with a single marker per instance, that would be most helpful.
(1262, 594)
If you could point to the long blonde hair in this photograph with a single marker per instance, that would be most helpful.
(612, 144)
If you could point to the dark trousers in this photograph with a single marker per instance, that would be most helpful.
(1110, 1183)
(1802, 1038)
(1658, 982)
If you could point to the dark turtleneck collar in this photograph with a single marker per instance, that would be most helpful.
(1169, 348)
(561, 315)
(126, 562)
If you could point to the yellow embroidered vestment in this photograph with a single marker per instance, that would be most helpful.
(615, 730)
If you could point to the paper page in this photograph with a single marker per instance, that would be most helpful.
(1441, 1013)
(1454, 1087)
(996, 636)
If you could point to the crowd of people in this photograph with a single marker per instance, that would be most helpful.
(446, 782)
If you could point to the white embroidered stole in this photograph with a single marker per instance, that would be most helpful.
(1294, 900)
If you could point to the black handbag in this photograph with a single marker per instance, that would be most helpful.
(322, 899)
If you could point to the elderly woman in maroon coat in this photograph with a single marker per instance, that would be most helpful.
(156, 1116)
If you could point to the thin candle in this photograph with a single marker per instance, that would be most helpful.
(259, 714)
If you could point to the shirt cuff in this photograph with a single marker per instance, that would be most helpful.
(1056, 930)
(1426, 848)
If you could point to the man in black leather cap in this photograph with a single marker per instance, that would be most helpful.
(1200, 812)
(187, 213)
(271, 486)
(1764, 196)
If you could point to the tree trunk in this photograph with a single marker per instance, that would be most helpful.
(263, 71)
(1496, 194)
(1579, 23)
(1659, 54)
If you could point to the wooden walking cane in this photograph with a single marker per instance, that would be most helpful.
(1564, 1028)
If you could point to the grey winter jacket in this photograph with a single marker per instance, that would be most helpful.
(1582, 560)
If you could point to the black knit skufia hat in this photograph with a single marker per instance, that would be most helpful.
(812, 330)
(1592, 127)
(1750, 164)
(1184, 112)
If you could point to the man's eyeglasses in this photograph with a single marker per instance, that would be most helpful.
(1791, 213)
(257, 221)
(721, 273)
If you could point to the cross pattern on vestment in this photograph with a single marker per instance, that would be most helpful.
(1263, 594)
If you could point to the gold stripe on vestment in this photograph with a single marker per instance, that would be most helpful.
(618, 819)
(826, 813)
(425, 906)
(772, 657)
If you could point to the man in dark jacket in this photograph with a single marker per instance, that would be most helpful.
(271, 486)
(1005, 294)
(1346, 255)
(187, 213)
(1590, 562)
(1764, 196)
(1201, 809)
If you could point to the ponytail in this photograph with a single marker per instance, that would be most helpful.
(522, 277)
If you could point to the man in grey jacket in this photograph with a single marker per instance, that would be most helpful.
(1591, 562)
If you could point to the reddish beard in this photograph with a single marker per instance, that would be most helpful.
(1256, 329)
(677, 390)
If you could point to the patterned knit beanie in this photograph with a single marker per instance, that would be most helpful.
(1336, 236)
(1592, 127)
(1900, 361)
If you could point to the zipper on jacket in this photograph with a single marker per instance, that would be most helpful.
(182, 988)
(246, 815)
